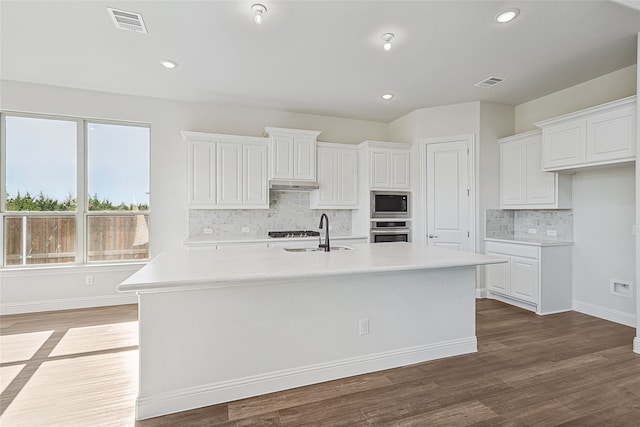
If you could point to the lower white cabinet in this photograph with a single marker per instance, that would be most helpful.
(537, 276)
(337, 172)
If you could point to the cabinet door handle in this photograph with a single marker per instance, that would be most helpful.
(433, 236)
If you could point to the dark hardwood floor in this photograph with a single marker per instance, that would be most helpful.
(79, 368)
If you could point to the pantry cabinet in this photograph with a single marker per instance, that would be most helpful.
(292, 154)
(596, 136)
(536, 277)
(227, 171)
(523, 183)
(337, 173)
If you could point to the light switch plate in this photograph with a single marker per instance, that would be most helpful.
(532, 231)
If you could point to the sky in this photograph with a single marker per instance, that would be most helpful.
(41, 157)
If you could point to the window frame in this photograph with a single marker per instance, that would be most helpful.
(82, 212)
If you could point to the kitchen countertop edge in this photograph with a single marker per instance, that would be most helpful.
(183, 269)
(204, 241)
(531, 242)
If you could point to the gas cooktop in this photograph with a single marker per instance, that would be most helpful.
(295, 233)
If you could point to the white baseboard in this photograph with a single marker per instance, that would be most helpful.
(66, 304)
(605, 313)
(226, 391)
(512, 301)
(636, 344)
(481, 293)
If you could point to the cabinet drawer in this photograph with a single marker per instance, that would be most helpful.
(513, 249)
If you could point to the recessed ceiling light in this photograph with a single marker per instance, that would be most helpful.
(507, 15)
(166, 63)
(387, 96)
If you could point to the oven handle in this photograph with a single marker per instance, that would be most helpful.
(389, 230)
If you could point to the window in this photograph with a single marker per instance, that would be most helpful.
(75, 191)
(118, 185)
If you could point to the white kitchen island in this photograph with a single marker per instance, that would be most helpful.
(223, 324)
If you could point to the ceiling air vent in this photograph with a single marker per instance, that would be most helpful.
(129, 21)
(489, 82)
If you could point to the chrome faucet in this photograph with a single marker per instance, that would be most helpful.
(326, 246)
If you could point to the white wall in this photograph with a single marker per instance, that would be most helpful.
(604, 247)
(603, 203)
(496, 121)
(612, 86)
(487, 122)
(432, 122)
(33, 290)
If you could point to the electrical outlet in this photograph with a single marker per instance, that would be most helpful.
(207, 230)
(532, 231)
(88, 280)
(246, 229)
(552, 233)
(364, 327)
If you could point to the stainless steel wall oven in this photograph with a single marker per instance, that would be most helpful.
(390, 231)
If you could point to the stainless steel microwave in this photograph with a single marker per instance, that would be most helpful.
(390, 204)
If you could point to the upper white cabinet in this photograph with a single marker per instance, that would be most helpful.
(523, 184)
(227, 171)
(596, 136)
(388, 164)
(337, 177)
(201, 169)
(292, 154)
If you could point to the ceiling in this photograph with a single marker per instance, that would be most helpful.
(320, 57)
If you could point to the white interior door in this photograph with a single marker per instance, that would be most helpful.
(448, 195)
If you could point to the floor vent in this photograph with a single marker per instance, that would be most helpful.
(489, 82)
(129, 21)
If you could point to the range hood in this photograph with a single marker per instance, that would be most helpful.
(280, 185)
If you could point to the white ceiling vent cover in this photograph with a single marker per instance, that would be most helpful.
(489, 82)
(129, 21)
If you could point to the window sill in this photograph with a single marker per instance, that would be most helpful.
(37, 270)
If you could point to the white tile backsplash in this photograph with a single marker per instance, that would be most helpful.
(288, 210)
(542, 220)
(517, 223)
(500, 223)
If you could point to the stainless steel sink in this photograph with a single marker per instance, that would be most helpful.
(333, 248)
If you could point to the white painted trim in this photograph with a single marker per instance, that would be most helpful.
(66, 304)
(512, 301)
(605, 313)
(49, 270)
(481, 293)
(619, 103)
(636, 341)
(218, 137)
(225, 391)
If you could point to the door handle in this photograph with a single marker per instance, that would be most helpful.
(433, 236)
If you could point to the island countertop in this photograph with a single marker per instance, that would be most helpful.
(237, 266)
